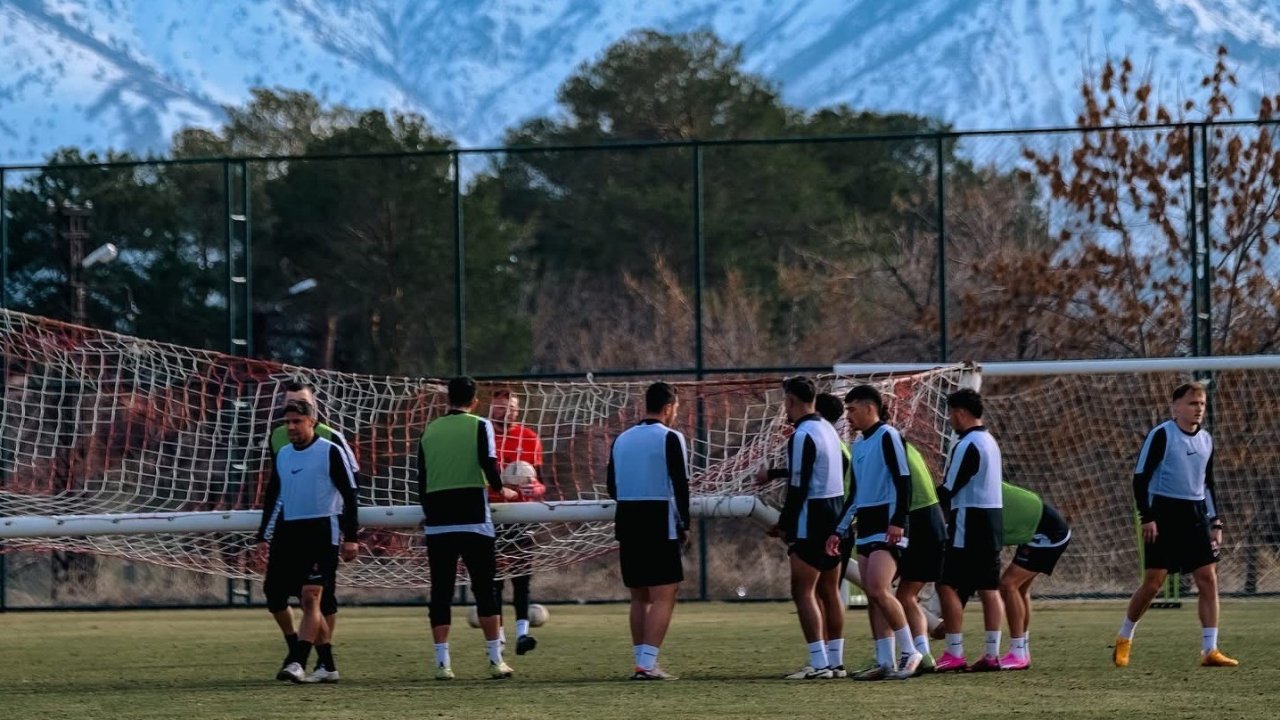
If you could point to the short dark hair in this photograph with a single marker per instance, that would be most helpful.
(966, 399)
(801, 387)
(866, 393)
(299, 386)
(462, 390)
(658, 396)
(829, 407)
(301, 407)
(1189, 387)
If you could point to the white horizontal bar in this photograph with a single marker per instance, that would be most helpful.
(1082, 367)
(403, 516)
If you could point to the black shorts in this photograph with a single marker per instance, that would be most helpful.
(846, 554)
(1038, 558)
(1051, 539)
(921, 560)
(650, 563)
(814, 554)
(302, 553)
(873, 522)
(1182, 536)
(976, 564)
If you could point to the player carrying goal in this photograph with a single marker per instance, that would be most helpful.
(310, 504)
(520, 463)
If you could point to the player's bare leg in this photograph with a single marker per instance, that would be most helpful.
(1015, 590)
(908, 595)
(1152, 580)
(878, 571)
(804, 586)
(1206, 577)
(832, 608)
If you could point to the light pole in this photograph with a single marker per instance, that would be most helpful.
(74, 222)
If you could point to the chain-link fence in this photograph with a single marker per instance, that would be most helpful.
(675, 258)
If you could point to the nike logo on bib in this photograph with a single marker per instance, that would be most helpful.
(295, 471)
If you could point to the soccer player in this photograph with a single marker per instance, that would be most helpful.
(457, 461)
(1181, 528)
(832, 409)
(648, 476)
(310, 498)
(972, 494)
(881, 496)
(277, 595)
(1041, 536)
(815, 494)
(516, 443)
(921, 561)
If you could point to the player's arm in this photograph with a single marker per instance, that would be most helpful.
(270, 505)
(345, 483)
(959, 474)
(1211, 500)
(348, 452)
(678, 471)
(1148, 460)
(895, 457)
(798, 487)
(847, 514)
(487, 454)
(422, 478)
(610, 476)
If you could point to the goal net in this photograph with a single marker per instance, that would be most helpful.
(1071, 431)
(100, 424)
(1075, 439)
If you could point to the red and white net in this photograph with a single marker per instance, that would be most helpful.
(95, 422)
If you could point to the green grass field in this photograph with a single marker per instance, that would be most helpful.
(202, 664)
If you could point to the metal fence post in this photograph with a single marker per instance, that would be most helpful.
(459, 270)
(699, 357)
(943, 351)
(4, 247)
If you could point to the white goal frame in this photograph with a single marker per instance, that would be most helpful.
(401, 516)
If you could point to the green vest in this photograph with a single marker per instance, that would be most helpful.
(848, 471)
(923, 493)
(280, 436)
(1022, 510)
(448, 451)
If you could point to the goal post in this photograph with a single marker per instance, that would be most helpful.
(391, 517)
(1071, 430)
(156, 453)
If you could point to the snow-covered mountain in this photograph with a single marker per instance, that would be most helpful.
(127, 73)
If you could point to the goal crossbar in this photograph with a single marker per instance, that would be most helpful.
(1082, 367)
(402, 516)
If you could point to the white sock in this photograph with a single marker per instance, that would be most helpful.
(922, 644)
(495, 650)
(902, 638)
(1026, 641)
(835, 652)
(818, 655)
(635, 650)
(1208, 639)
(522, 628)
(648, 658)
(502, 635)
(1018, 646)
(1127, 627)
(884, 651)
(442, 654)
(992, 647)
(955, 644)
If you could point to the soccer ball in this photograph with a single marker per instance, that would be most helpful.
(519, 473)
(473, 617)
(538, 615)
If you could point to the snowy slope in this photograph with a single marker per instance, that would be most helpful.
(127, 73)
